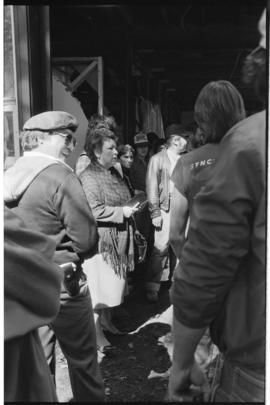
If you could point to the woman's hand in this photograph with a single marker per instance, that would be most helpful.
(128, 211)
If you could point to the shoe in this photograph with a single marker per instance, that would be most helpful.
(152, 296)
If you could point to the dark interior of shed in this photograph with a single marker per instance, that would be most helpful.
(165, 53)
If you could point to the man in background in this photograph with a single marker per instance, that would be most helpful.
(159, 189)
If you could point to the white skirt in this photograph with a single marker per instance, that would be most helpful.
(107, 289)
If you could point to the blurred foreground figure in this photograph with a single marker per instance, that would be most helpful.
(221, 278)
(32, 299)
(48, 196)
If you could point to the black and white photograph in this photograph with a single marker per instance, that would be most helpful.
(135, 172)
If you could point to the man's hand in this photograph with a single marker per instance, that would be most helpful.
(181, 381)
(157, 222)
(185, 371)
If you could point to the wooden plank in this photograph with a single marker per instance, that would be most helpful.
(70, 60)
(73, 86)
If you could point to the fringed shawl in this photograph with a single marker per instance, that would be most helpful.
(106, 192)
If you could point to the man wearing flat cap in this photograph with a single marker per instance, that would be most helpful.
(159, 189)
(48, 196)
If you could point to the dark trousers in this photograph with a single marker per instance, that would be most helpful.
(27, 375)
(160, 253)
(74, 328)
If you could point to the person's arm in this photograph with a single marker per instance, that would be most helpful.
(178, 222)
(76, 216)
(152, 191)
(101, 211)
(82, 163)
(185, 371)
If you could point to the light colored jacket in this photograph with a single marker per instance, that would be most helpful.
(158, 183)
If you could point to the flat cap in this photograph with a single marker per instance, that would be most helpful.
(51, 121)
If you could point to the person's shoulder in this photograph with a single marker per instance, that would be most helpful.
(59, 170)
(159, 156)
(248, 131)
(91, 172)
(192, 156)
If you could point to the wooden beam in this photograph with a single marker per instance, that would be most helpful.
(69, 61)
(73, 85)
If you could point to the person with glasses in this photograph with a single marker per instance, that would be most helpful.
(45, 192)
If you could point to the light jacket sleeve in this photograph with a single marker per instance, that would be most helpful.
(76, 216)
(220, 234)
(96, 200)
(152, 187)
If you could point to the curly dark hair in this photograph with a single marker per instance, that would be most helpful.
(97, 121)
(95, 142)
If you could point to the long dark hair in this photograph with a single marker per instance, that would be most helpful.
(218, 107)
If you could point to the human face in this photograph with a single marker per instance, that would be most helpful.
(58, 145)
(68, 146)
(180, 144)
(142, 151)
(126, 160)
(108, 155)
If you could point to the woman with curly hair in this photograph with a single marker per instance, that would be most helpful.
(107, 195)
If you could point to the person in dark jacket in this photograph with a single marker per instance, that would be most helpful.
(218, 107)
(48, 196)
(126, 159)
(221, 278)
(138, 170)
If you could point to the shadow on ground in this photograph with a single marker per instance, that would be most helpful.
(136, 310)
(126, 367)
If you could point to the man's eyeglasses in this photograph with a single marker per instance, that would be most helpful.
(68, 138)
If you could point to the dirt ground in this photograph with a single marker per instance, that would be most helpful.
(127, 366)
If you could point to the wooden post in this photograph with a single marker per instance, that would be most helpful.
(22, 63)
(100, 86)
